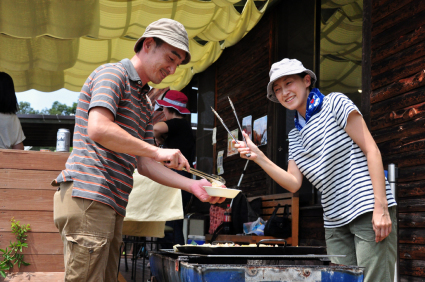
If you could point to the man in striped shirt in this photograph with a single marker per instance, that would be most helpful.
(113, 135)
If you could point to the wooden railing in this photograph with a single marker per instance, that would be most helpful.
(26, 195)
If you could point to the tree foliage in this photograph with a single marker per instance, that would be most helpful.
(56, 109)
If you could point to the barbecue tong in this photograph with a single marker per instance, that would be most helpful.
(210, 177)
(227, 129)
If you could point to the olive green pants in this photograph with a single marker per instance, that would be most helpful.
(91, 233)
(356, 240)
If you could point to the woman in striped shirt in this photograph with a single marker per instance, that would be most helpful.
(333, 148)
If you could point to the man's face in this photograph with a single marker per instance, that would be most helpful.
(161, 61)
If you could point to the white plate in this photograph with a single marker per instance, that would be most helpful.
(221, 192)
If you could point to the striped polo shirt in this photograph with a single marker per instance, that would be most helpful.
(98, 173)
(334, 163)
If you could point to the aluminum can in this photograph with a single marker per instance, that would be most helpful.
(63, 140)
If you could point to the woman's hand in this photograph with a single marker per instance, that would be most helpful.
(251, 149)
(381, 223)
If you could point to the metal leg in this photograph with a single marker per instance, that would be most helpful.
(119, 259)
(141, 253)
(125, 253)
(134, 260)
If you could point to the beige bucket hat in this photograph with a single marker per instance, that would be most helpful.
(170, 31)
(284, 68)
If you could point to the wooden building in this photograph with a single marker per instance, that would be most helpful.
(390, 77)
(396, 47)
(391, 97)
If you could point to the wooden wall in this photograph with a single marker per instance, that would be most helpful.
(397, 116)
(242, 75)
(26, 195)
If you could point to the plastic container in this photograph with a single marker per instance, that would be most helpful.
(195, 240)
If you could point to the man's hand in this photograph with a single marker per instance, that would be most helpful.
(198, 190)
(172, 158)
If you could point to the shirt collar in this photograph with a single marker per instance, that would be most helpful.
(133, 75)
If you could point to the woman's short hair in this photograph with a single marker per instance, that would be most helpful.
(8, 100)
(302, 75)
(174, 111)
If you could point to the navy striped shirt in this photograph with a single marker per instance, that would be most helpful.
(328, 157)
(98, 173)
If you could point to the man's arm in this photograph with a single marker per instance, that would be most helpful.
(158, 173)
(103, 130)
(19, 146)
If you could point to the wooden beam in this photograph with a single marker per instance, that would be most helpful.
(38, 243)
(42, 263)
(26, 200)
(366, 58)
(398, 87)
(40, 221)
(33, 160)
(35, 277)
(27, 179)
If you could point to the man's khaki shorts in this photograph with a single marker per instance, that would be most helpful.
(91, 233)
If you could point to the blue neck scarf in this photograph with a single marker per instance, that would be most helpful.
(314, 105)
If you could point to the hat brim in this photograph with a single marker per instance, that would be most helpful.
(270, 93)
(167, 40)
(162, 103)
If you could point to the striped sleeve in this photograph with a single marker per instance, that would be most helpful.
(342, 106)
(290, 157)
(107, 88)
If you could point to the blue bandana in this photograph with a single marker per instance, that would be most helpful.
(314, 105)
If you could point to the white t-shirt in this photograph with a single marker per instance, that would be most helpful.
(10, 131)
(334, 163)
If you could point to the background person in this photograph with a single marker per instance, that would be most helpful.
(333, 148)
(11, 134)
(113, 135)
(175, 133)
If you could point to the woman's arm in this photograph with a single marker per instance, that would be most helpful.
(356, 128)
(160, 129)
(291, 180)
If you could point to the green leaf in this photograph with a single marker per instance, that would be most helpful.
(3, 273)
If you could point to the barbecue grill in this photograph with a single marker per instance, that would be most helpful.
(220, 264)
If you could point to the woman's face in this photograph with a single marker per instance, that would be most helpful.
(167, 113)
(292, 92)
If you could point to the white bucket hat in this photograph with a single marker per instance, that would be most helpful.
(170, 31)
(284, 68)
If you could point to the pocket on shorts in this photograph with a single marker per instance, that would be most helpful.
(366, 233)
(329, 232)
(84, 255)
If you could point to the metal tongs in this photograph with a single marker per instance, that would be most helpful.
(246, 144)
(227, 129)
(209, 177)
